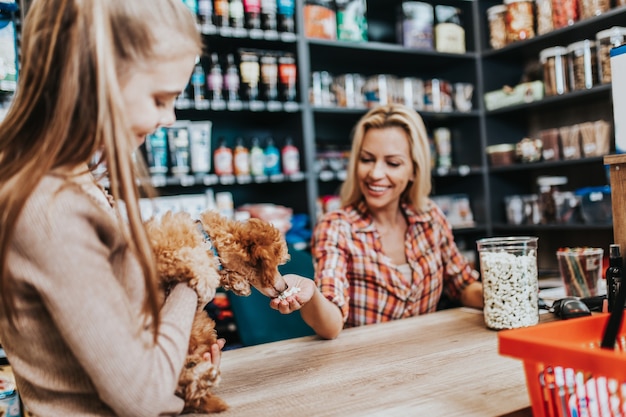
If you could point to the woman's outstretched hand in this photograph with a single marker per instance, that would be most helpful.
(296, 300)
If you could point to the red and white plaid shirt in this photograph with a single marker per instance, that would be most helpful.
(352, 271)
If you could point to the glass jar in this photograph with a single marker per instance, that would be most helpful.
(591, 8)
(496, 15)
(605, 41)
(554, 61)
(520, 20)
(508, 267)
(564, 13)
(544, 16)
(582, 64)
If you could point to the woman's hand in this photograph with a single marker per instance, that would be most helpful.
(297, 300)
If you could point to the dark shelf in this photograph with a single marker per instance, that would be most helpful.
(546, 164)
(500, 227)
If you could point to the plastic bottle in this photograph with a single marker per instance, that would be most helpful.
(257, 158)
(198, 80)
(231, 80)
(235, 14)
(285, 12)
(215, 83)
(241, 158)
(252, 14)
(613, 274)
(268, 15)
(291, 158)
(272, 158)
(223, 159)
(220, 13)
(205, 12)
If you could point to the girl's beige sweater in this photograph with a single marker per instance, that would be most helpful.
(82, 346)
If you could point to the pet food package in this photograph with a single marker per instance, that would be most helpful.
(8, 56)
(415, 25)
(351, 20)
(320, 19)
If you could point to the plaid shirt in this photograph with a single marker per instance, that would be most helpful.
(352, 271)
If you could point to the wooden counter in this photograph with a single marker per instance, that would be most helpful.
(440, 364)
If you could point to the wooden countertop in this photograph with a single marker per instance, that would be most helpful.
(440, 364)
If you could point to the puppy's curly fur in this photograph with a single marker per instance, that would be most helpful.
(248, 253)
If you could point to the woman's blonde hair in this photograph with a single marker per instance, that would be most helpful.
(395, 115)
(68, 106)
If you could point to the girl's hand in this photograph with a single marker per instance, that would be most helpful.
(297, 300)
(215, 355)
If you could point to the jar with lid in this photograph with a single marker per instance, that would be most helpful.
(548, 188)
(582, 64)
(508, 266)
(564, 13)
(496, 15)
(554, 62)
(591, 8)
(520, 20)
(605, 41)
(544, 16)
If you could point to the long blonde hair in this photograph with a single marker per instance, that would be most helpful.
(395, 115)
(68, 105)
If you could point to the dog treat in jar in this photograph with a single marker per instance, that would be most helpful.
(564, 13)
(496, 15)
(554, 61)
(582, 64)
(592, 8)
(508, 266)
(520, 20)
(605, 41)
(544, 16)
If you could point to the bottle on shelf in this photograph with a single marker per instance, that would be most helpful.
(269, 77)
(257, 158)
(205, 13)
(241, 158)
(285, 10)
(232, 84)
(291, 158)
(220, 13)
(287, 77)
(236, 14)
(198, 83)
(252, 15)
(613, 274)
(249, 71)
(268, 15)
(223, 159)
(215, 84)
(272, 158)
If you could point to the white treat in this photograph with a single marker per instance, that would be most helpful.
(288, 292)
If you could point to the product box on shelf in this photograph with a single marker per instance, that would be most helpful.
(507, 96)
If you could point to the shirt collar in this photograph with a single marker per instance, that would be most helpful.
(362, 219)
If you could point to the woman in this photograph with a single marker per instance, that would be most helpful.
(389, 252)
(79, 318)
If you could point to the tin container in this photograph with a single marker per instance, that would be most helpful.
(508, 267)
(415, 25)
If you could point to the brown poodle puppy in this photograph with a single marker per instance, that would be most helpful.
(211, 252)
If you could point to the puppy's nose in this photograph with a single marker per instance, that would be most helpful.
(280, 285)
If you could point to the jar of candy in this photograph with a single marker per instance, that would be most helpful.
(520, 20)
(582, 64)
(544, 16)
(605, 41)
(592, 8)
(554, 61)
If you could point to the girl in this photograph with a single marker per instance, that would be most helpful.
(78, 315)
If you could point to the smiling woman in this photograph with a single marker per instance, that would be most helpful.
(389, 251)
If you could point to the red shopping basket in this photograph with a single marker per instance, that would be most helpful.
(567, 373)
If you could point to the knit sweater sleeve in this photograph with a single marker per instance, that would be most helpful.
(91, 288)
